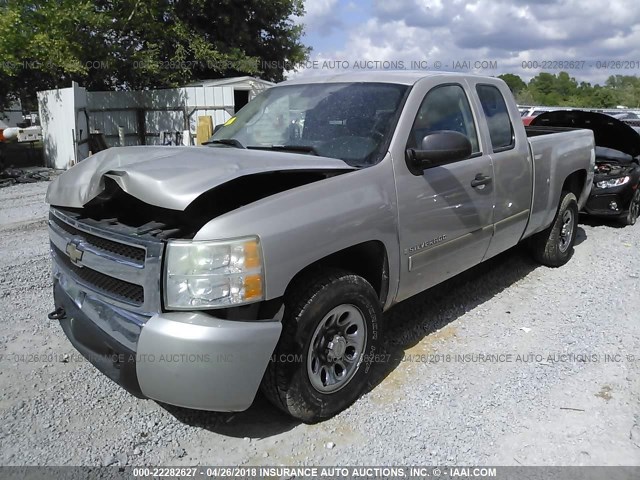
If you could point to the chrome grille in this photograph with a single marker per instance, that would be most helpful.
(136, 254)
(109, 261)
(125, 291)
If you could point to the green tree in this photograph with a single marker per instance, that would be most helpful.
(138, 44)
(604, 97)
(524, 97)
(564, 90)
(514, 82)
(542, 88)
(565, 85)
(627, 89)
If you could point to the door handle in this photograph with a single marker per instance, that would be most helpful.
(480, 180)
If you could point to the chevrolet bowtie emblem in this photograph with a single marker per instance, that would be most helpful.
(75, 255)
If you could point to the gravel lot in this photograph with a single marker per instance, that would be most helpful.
(579, 407)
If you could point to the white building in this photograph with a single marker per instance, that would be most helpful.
(150, 117)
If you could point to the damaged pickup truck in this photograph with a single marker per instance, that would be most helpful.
(195, 275)
(616, 189)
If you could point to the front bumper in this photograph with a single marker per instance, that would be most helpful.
(188, 359)
(610, 202)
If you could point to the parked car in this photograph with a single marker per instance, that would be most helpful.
(193, 275)
(624, 116)
(616, 189)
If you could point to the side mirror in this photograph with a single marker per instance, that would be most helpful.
(438, 148)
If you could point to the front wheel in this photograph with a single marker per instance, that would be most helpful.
(634, 208)
(330, 330)
(553, 247)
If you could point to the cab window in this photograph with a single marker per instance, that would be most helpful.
(497, 115)
(444, 108)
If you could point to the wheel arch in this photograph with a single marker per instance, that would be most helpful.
(575, 182)
(368, 260)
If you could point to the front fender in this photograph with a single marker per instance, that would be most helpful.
(300, 226)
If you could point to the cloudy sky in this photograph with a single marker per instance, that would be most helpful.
(506, 32)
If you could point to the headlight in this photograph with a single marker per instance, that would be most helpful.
(614, 182)
(203, 274)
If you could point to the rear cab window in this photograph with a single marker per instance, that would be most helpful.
(498, 120)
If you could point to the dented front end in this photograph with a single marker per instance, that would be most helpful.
(174, 177)
(113, 218)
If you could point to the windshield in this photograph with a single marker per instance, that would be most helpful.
(349, 121)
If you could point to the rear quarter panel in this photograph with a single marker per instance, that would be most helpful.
(555, 157)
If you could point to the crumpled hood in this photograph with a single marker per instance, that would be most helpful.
(173, 177)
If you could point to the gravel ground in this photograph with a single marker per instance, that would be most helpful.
(551, 376)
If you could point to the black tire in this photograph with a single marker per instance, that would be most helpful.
(287, 382)
(553, 247)
(634, 209)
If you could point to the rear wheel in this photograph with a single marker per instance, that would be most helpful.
(553, 247)
(330, 327)
(634, 208)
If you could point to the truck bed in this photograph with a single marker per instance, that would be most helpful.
(536, 131)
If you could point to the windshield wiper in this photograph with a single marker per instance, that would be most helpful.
(232, 142)
(289, 148)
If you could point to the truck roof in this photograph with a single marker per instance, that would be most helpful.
(404, 77)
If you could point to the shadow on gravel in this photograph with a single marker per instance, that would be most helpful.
(405, 325)
(261, 420)
(581, 235)
(600, 221)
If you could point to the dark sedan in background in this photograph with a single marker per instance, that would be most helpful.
(616, 189)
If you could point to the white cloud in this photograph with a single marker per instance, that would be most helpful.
(508, 32)
(320, 15)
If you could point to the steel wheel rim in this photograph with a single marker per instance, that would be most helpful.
(566, 231)
(336, 348)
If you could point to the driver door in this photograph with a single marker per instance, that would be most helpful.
(445, 214)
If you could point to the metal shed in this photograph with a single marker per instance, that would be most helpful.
(244, 88)
(149, 117)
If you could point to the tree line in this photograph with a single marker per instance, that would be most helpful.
(140, 44)
(563, 90)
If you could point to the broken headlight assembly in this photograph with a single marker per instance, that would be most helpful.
(211, 274)
(614, 182)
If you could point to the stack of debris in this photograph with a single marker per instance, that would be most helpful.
(11, 176)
